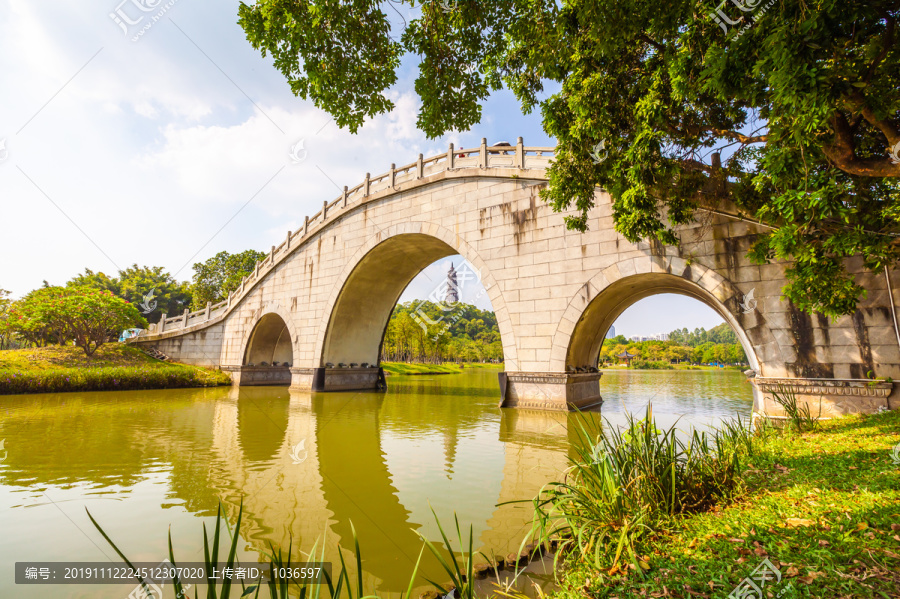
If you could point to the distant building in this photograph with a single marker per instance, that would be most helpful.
(657, 337)
(611, 333)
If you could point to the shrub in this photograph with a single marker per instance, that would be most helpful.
(648, 365)
(109, 378)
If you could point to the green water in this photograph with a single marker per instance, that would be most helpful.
(305, 465)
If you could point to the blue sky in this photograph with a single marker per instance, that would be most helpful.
(168, 149)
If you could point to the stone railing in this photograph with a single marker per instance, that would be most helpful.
(484, 156)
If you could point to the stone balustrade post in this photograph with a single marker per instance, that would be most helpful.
(162, 323)
(287, 242)
(392, 175)
(450, 157)
(420, 167)
(305, 225)
(208, 309)
(272, 255)
(520, 153)
(482, 155)
(344, 197)
(366, 186)
(184, 318)
(324, 210)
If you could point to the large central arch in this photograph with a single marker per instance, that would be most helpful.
(367, 291)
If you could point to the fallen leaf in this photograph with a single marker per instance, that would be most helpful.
(760, 551)
(823, 543)
(735, 540)
(861, 526)
(853, 468)
(792, 571)
(796, 522)
(895, 526)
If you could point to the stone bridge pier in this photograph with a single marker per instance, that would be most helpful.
(314, 312)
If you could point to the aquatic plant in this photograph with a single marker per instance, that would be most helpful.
(623, 485)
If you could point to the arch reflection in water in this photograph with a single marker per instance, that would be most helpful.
(148, 460)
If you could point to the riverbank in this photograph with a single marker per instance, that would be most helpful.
(114, 366)
(407, 368)
(822, 507)
(656, 366)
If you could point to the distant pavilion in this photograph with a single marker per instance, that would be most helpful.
(627, 357)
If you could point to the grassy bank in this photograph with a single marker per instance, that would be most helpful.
(56, 369)
(823, 507)
(667, 366)
(446, 368)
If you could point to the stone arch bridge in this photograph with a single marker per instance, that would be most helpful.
(317, 306)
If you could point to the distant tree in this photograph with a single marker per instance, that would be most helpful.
(153, 290)
(6, 333)
(39, 317)
(218, 276)
(93, 280)
(89, 317)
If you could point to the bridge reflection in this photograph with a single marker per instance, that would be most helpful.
(307, 465)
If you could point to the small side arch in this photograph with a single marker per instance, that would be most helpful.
(597, 305)
(271, 339)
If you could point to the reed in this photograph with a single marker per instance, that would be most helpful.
(623, 485)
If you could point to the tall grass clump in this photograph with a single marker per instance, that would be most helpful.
(799, 416)
(341, 587)
(626, 484)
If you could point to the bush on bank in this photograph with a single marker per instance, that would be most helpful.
(121, 378)
(62, 368)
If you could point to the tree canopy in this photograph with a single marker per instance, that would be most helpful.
(218, 276)
(153, 290)
(785, 113)
(89, 317)
(423, 331)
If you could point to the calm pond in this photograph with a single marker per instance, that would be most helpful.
(305, 466)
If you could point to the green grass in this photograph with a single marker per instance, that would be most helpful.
(405, 368)
(445, 368)
(56, 369)
(823, 507)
